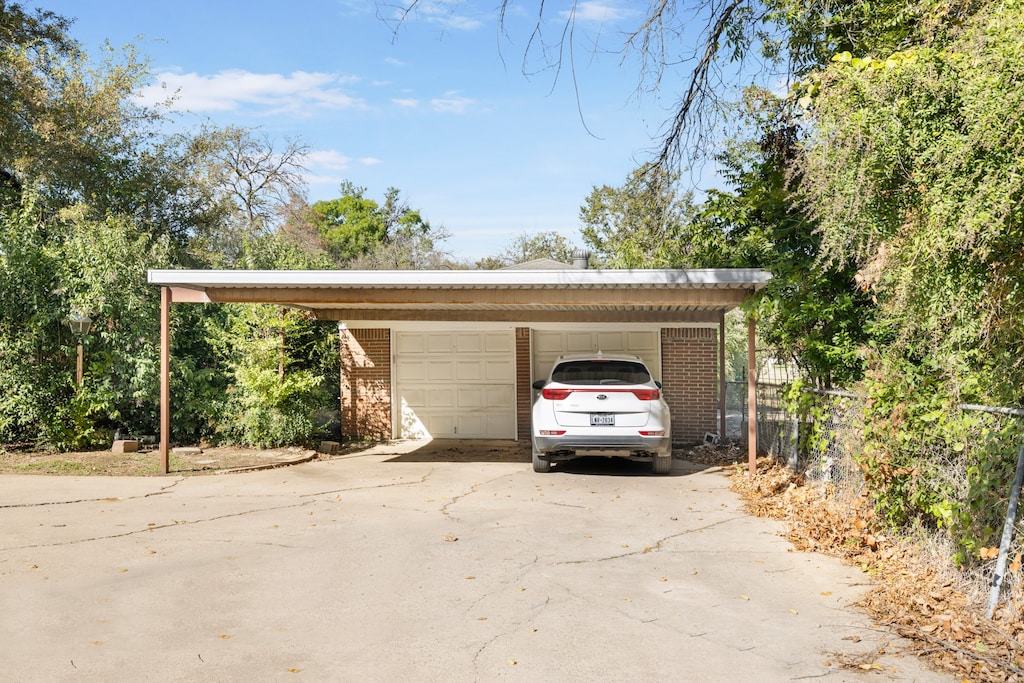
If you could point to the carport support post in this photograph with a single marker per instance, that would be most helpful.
(721, 379)
(165, 379)
(751, 398)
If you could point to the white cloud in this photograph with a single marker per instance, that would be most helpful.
(328, 159)
(232, 89)
(370, 161)
(393, 61)
(408, 102)
(451, 104)
(442, 12)
(598, 12)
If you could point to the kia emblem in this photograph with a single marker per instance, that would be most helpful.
(601, 397)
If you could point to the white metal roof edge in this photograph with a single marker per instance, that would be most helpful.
(732, 278)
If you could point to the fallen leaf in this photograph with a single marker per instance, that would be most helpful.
(533, 630)
(294, 670)
(512, 662)
(470, 578)
(793, 611)
(826, 593)
(481, 618)
(33, 566)
(663, 579)
(224, 636)
(150, 551)
(450, 539)
(122, 571)
(744, 597)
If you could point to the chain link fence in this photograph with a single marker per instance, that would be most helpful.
(824, 446)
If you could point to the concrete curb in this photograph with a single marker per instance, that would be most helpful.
(305, 457)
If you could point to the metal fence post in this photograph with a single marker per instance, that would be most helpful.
(1011, 512)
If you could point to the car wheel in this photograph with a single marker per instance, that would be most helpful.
(661, 464)
(540, 465)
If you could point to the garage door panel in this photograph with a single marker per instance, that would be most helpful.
(410, 344)
(439, 343)
(469, 343)
(415, 397)
(500, 370)
(470, 370)
(578, 342)
(440, 370)
(642, 342)
(499, 343)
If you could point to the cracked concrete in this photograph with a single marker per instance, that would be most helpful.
(397, 565)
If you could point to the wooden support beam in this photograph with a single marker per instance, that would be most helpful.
(513, 298)
(516, 317)
(751, 397)
(722, 386)
(165, 379)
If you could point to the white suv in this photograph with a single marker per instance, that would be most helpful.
(601, 404)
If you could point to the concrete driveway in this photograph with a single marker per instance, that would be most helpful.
(394, 565)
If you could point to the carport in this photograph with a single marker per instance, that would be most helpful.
(452, 353)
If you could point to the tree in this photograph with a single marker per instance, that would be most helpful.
(713, 43)
(361, 233)
(642, 224)
(251, 184)
(528, 247)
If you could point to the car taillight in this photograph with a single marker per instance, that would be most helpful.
(556, 394)
(647, 394)
(552, 432)
(660, 432)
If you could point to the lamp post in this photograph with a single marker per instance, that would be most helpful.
(80, 325)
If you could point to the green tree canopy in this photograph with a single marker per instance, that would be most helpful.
(642, 224)
(361, 232)
(528, 247)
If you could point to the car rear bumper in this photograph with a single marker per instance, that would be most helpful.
(636, 446)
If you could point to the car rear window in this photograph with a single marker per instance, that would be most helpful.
(600, 372)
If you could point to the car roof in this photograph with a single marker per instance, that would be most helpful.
(598, 356)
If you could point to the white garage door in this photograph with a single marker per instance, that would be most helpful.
(456, 385)
(547, 345)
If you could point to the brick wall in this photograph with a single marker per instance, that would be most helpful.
(689, 368)
(366, 383)
(524, 392)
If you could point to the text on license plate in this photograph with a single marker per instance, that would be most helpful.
(602, 419)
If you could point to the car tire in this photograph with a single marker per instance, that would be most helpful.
(661, 464)
(540, 465)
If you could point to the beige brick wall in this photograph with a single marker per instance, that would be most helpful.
(366, 383)
(689, 368)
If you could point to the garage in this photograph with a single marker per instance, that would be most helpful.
(455, 385)
(452, 354)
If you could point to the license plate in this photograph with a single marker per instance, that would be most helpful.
(601, 419)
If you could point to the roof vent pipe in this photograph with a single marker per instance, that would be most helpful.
(580, 259)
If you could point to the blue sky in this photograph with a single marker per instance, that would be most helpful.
(439, 108)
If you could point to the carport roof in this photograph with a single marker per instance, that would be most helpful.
(573, 295)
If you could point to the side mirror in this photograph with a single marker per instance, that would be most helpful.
(539, 384)
(657, 384)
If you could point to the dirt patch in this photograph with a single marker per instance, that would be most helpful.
(146, 462)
